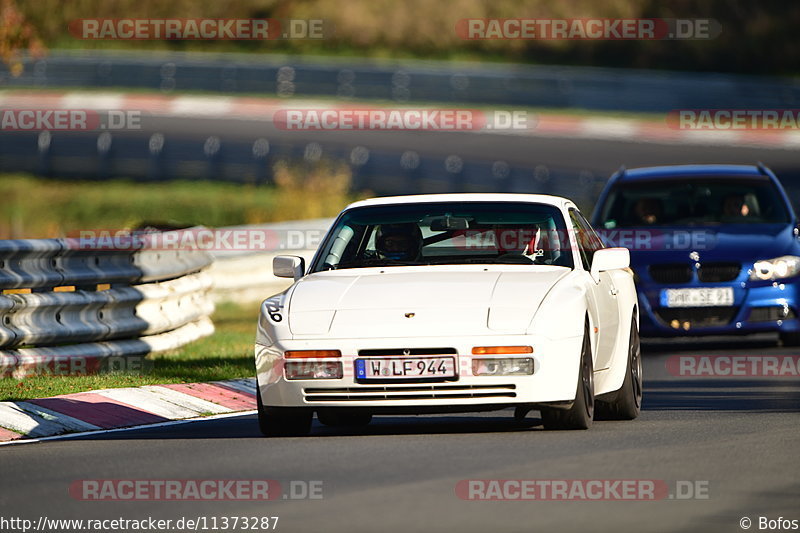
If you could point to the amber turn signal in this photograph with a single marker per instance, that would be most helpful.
(497, 350)
(307, 354)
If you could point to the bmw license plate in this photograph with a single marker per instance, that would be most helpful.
(704, 297)
(406, 368)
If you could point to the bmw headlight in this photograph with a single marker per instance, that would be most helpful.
(778, 268)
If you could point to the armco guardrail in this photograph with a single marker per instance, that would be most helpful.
(479, 83)
(149, 299)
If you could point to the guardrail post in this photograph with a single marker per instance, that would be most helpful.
(43, 142)
(454, 166)
(346, 89)
(410, 164)
(167, 73)
(262, 162)
(211, 149)
(501, 174)
(104, 144)
(228, 76)
(401, 81)
(359, 157)
(155, 149)
(542, 184)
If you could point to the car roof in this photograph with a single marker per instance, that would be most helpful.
(556, 201)
(684, 171)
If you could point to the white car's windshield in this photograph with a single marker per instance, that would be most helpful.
(447, 234)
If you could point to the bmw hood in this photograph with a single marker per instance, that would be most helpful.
(419, 301)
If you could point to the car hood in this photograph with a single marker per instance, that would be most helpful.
(419, 301)
(744, 243)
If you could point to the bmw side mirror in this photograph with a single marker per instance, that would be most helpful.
(610, 259)
(288, 266)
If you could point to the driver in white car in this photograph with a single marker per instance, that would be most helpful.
(398, 242)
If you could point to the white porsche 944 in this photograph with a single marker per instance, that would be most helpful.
(452, 303)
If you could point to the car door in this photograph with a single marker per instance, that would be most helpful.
(604, 291)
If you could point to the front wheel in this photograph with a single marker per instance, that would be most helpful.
(627, 401)
(283, 421)
(580, 415)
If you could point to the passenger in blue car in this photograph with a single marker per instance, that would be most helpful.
(736, 205)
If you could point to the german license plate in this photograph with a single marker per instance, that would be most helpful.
(705, 297)
(406, 368)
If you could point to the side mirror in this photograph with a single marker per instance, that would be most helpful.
(288, 266)
(610, 259)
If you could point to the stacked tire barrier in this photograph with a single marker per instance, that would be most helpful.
(66, 308)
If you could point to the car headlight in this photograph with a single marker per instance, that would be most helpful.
(511, 366)
(771, 269)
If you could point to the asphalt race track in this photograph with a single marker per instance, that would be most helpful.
(732, 441)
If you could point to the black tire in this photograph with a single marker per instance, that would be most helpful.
(626, 403)
(283, 421)
(790, 338)
(580, 415)
(339, 419)
(520, 413)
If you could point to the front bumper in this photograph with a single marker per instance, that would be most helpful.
(554, 379)
(746, 316)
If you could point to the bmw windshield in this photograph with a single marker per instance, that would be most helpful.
(693, 202)
(447, 234)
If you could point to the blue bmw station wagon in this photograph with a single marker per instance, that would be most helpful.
(715, 248)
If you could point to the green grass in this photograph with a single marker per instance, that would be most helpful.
(117, 204)
(123, 204)
(227, 354)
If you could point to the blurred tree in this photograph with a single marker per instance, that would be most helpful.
(17, 36)
(757, 37)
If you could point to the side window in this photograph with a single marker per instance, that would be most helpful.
(595, 242)
(576, 227)
(588, 241)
